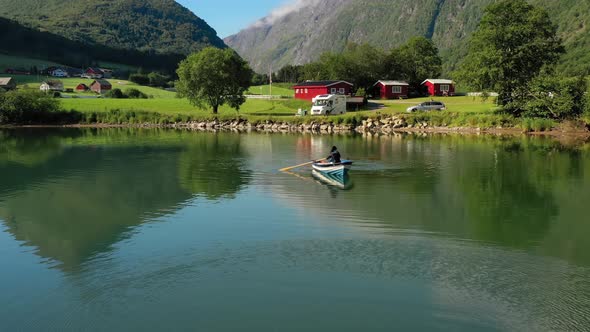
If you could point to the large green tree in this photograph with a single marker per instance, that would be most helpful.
(214, 77)
(513, 42)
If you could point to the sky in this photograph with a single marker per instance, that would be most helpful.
(230, 16)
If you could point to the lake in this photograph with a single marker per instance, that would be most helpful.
(150, 230)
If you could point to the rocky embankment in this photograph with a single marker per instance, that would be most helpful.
(383, 125)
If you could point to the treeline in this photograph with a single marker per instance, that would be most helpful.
(16, 39)
(363, 65)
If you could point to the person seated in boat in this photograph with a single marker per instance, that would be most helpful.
(334, 156)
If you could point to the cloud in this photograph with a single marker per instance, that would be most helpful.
(284, 10)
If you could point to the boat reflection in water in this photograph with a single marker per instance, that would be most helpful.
(338, 181)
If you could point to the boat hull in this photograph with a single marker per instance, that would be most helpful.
(333, 170)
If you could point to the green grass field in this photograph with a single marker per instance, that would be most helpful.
(453, 104)
(280, 89)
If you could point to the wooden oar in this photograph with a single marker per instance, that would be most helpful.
(301, 165)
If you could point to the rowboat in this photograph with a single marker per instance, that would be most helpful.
(334, 170)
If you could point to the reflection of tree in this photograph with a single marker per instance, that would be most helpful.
(212, 166)
(505, 193)
(22, 147)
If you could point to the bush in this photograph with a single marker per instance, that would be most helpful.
(140, 79)
(135, 94)
(553, 97)
(26, 106)
(157, 79)
(115, 93)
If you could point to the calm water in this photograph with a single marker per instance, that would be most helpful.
(119, 230)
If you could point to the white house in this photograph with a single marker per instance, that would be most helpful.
(51, 85)
(59, 72)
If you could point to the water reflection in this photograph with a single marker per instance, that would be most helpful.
(73, 201)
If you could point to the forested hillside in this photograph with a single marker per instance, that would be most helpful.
(303, 33)
(157, 26)
(18, 40)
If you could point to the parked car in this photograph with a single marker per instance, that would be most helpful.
(427, 106)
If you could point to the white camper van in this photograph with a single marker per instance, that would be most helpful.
(328, 105)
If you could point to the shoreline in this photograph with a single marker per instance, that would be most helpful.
(383, 126)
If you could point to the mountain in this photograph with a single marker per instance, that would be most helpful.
(156, 26)
(25, 43)
(300, 32)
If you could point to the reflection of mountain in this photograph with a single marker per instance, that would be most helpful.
(85, 198)
(471, 188)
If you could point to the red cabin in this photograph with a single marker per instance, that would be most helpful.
(440, 87)
(309, 90)
(101, 86)
(93, 73)
(391, 89)
(82, 87)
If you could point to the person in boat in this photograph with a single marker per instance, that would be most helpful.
(334, 156)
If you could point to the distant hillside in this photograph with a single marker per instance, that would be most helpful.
(17, 40)
(160, 26)
(301, 32)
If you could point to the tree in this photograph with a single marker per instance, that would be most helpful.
(415, 61)
(157, 79)
(214, 77)
(513, 42)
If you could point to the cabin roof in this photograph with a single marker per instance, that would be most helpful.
(388, 82)
(321, 83)
(5, 80)
(438, 81)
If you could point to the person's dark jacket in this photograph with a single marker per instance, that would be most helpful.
(334, 157)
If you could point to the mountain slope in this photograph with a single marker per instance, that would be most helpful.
(161, 26)
(301, 33)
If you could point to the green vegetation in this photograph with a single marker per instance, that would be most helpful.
(50, 49)
(364, 64)
(513, 42)
(386, 24)
(214, 77)
(278, 89)
(158, 26)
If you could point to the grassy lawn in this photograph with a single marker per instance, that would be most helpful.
(453, 104)
(280, 89)
(182, 106)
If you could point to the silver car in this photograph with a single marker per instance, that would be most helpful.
(427, 106)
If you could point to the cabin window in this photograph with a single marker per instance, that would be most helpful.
(341, 91)
(396, 89)
(333, 91)
(444, 87)
(296, 90)
(305, 90)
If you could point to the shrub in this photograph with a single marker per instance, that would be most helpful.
(115, 93)
(553, 97)
(26, 106)
(135, 94)
(140, 79)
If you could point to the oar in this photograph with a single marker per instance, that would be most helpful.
(301, 165)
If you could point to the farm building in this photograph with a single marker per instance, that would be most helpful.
(106, 73)
(82, 87)
(311, 89)
(7, 83)
(59, 72)
(92, 72)
(101, 86)
(440, 87)
(391, 89)
(52, 85)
